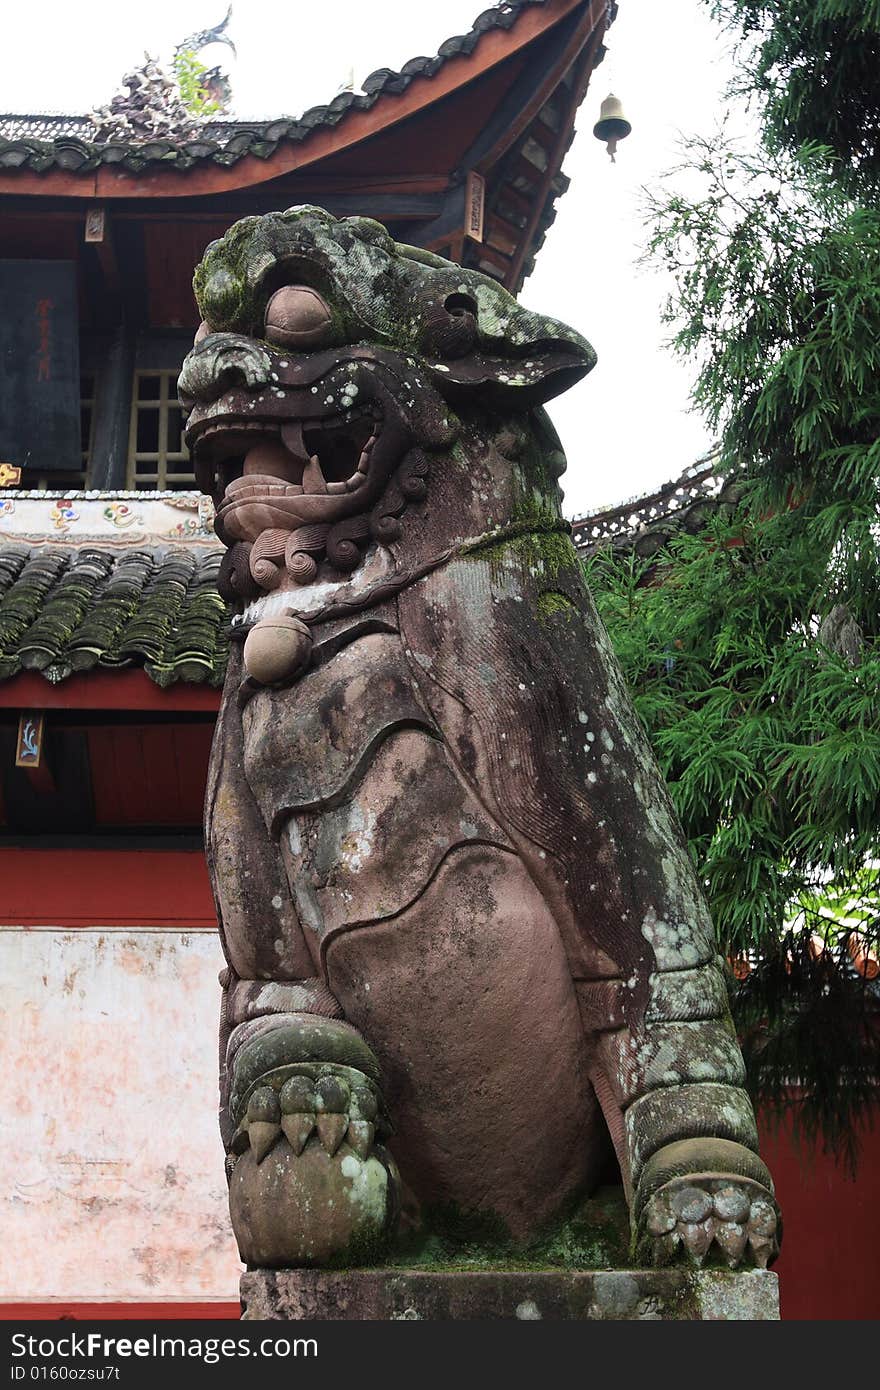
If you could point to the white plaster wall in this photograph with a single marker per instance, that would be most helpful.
(114, 1186)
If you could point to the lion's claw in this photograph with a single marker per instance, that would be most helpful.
(691, 1215)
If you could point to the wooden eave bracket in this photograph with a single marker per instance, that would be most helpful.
(98, 232)
(31, 753)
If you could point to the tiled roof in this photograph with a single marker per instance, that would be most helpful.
(43, 142)
(65, 610)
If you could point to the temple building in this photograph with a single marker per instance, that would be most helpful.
(113, 634)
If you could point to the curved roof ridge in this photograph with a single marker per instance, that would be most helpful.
(27, 140)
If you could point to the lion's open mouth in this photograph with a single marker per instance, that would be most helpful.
(326, 456)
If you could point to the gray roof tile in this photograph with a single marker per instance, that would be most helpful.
(64, 610)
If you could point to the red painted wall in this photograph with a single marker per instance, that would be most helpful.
(149, 774)
(830, 1262)
(117, 1312)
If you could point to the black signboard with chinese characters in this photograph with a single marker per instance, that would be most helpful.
(39, 367)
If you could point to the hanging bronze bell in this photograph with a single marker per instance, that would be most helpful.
(612, 124)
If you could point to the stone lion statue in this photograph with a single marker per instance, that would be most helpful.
(466, 949)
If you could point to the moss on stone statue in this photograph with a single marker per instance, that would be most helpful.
(543, 551)
(551, 602)
(547, 551)
(367, 1249)
(593, 1234)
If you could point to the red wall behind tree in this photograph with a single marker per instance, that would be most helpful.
(830, 1262)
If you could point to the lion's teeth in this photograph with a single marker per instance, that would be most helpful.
(313, 478)
(292, 439)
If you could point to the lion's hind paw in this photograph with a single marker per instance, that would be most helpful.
(700, 1214)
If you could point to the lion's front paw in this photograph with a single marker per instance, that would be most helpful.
(695, 1214)
(310, 1181)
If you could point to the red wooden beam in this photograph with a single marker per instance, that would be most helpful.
(61, 889)
(595, 15)
(123, 690)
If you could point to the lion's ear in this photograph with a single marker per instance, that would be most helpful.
(550, 367)
(509, 350)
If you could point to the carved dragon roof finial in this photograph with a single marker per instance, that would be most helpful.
(204, 37)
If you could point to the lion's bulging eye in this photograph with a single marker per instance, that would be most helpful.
(298, 317)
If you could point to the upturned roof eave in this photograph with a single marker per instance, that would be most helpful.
(496, 36)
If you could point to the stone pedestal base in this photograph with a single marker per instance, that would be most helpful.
(306, 1295)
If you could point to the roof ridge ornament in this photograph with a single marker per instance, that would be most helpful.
(168, 103)
(150, 109)
(213, 83)
(194, 43)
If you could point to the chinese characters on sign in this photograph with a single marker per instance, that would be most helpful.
(39, 369)
(474, 199)
(44, 360)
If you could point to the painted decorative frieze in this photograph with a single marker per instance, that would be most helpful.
(111, 518)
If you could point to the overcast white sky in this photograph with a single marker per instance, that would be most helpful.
(627, 427)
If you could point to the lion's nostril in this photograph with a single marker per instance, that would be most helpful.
(220, 364)
(298, 317)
